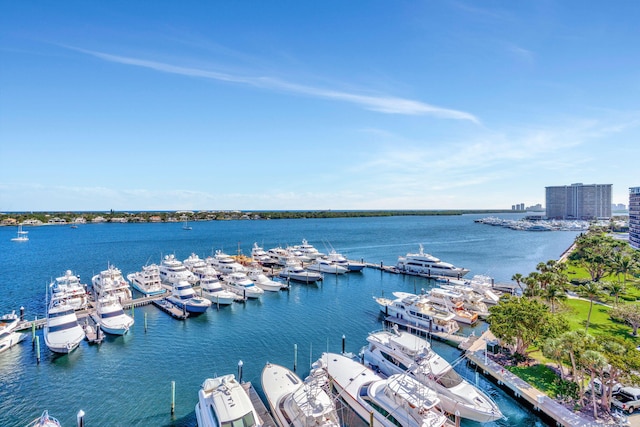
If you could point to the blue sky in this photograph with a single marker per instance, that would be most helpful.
(246, 105)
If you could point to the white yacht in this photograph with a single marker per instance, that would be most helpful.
(69, 287)
(240, 284)
(262, 281)
(339, 259)
(279, 256)
(147, 281)
(8, 334)
(399, 400)
(195, 264)
(452, 301)
(184, 297)
(297, 403)
(223, 402)
(294, 271)
(110, 281)
(472, 300)
(323, 265)
(22, 235)
(391, 352)
(225, 264)
(111, 317)
(62, 333)
(211, 288)
(425, 264)
(481, 284)
(416, 310)
(259, 254)
(308, 250)
(45, 420)
(173, 271)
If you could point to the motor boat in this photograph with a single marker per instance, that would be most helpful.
(471, 299)
(308, 250)
(425, 264)
(184, 297)
(62, 333)
(223, 402)
(211, 288)
(68, 287)
(323, 265)
(390, 352)
(110, 316)
(8, 334)
(45, 420)
(399, 400)
(262, 281)
(297, 403)
(416, 310)
(294, 271)
(22, 235)
(225, 264)
(452, 301)
(173, 271)
(195, 264)
(240, 284)
(339, 259)
(259, 255)
(147, 281)
(110, 281)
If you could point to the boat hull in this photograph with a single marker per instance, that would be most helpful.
(11, 340)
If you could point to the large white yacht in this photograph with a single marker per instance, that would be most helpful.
(45, 420)
(472, 300)
(147, 281)
(262, 281)
(62, 333)
(68, 286)
(399, 400)
(111, 317)
(223, 402)
(417, 310)
(8, 334)
(259, 254)
(184, 297)
(225, 264)
(422, 263)
(323, 265)
(391, 352)
(173, 271)
(445, 299)
(240, 284)
(297, 403)
(195, 264)
(110, 281)
(294, 271)
(211, 288)
(308, 250)
(339, 259)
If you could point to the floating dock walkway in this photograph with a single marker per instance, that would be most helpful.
(258, 404)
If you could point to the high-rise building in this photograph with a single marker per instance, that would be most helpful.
(634, 217)
(579, 201)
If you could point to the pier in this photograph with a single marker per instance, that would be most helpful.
(258, 404)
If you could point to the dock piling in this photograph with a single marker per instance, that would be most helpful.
(240, 371)
(80, 418)
(295, 357)
(38, 349)
(343, 342)
(173, 397)
(33, 332)
(145, 321)
(21, 313)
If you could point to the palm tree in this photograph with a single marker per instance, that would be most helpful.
(594, 363)
(518, 278)
(553, 293)
(552, 348)
(592, 291)
(615, 289)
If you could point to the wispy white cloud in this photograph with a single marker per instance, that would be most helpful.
(379, 103)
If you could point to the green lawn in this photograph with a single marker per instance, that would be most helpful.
(539, 376)
(600, 322)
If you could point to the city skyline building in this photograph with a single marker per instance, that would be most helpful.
(578, 201)
(634, 217)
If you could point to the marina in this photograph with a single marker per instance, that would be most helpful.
(315, 316)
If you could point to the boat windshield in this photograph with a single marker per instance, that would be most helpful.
(63, 327)
(112, 314)
(246, 420)
(450, 379)
(60, 313)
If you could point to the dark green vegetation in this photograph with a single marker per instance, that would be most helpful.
(587, 326)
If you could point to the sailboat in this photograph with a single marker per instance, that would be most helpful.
(22, 235)
(186, 225)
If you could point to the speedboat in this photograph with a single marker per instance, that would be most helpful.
(240, 284)
(297, 403)
(391, 352)
(173, 271)
(422, 263)
(225, 264)
(223, 402)
(184, 297)
(22, 235)
(399, 400)
(110, 281)
(111, 317)
(211, 288)
(8, 335)
(147, 281)
(62, 333)
(69, 287)
(45, 420)
(453, 302)
(339, 259)
(418, 311)
(294, 271)
(323, 265)
(262, 281)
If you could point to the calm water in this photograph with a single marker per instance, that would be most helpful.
(126, 381)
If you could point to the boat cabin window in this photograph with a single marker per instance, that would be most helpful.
(245, 421)
(382, 411)
(450, 379)
(112, 314)
(63, 327)
(60, 313)
(394, 361)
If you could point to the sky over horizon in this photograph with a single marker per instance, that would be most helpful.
(254, 105)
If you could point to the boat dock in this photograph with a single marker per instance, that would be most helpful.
(452, 339)
(258, 404)
(554, 412)
(170, 309)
